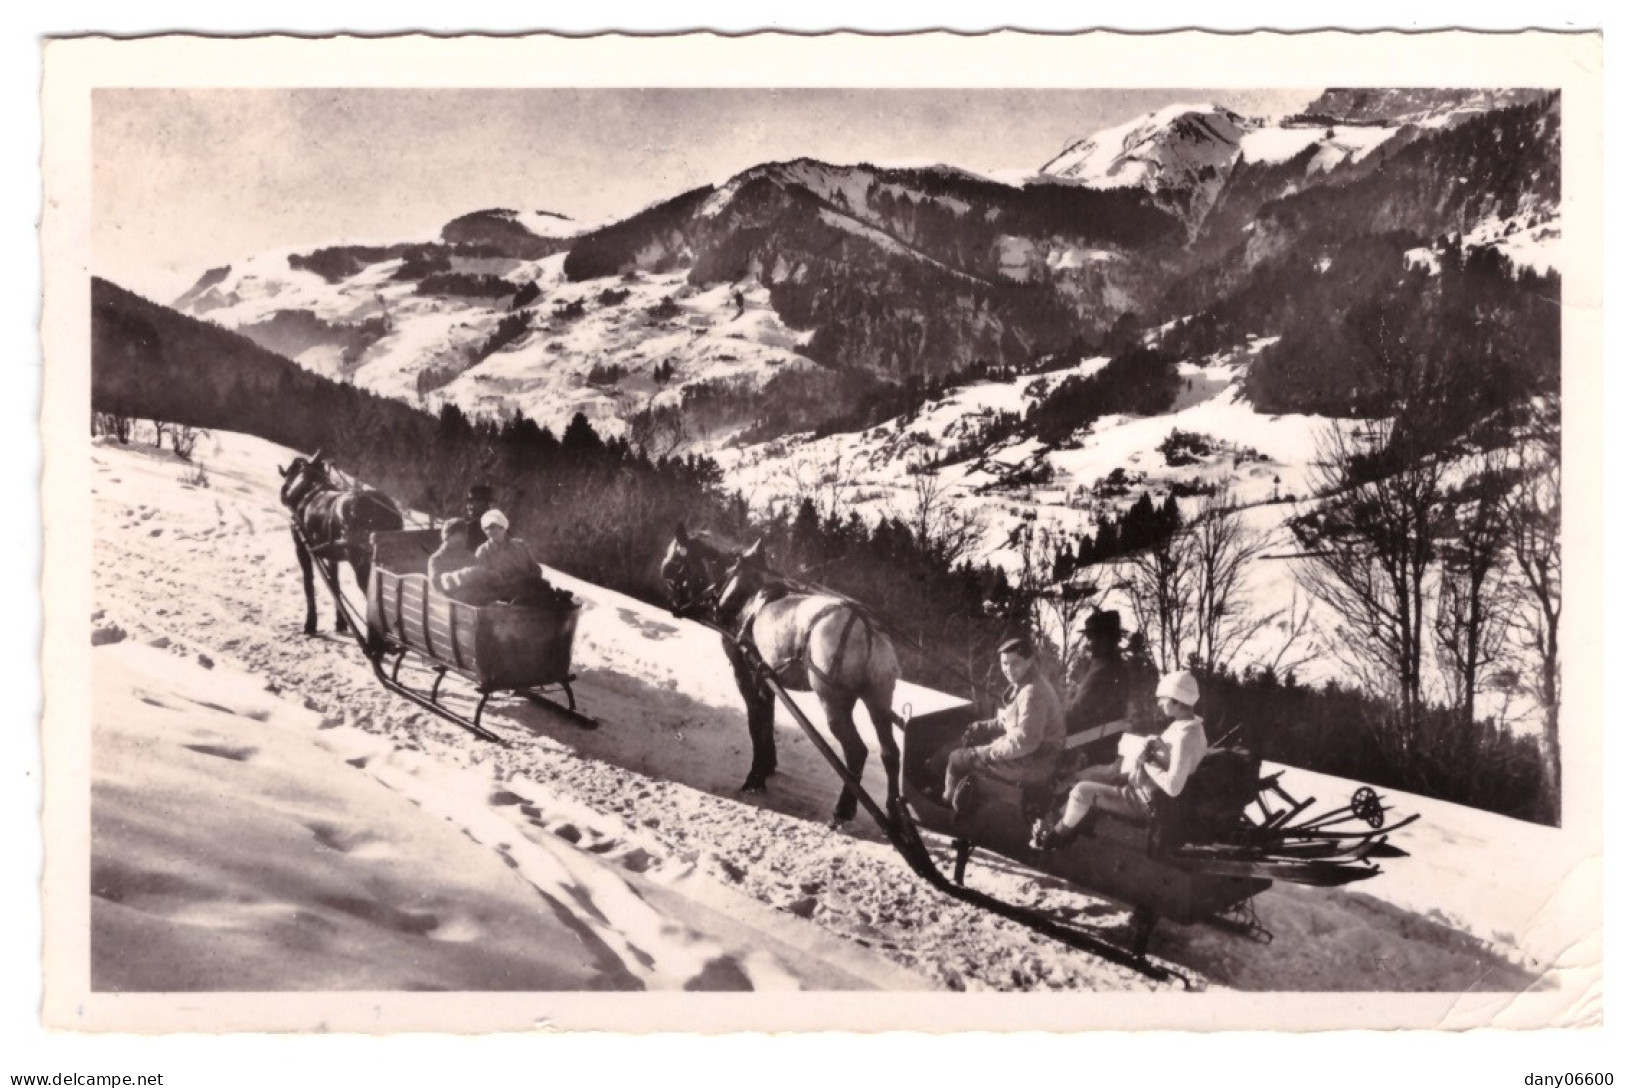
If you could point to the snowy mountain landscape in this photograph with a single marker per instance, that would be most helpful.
(703, 325)
(717, 291)
(1193, 368)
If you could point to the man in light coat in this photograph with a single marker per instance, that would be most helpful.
(1023, 744)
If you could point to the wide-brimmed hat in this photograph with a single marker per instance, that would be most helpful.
(1106, 624)
(493, 517)
(1181, 686)
(480, 493)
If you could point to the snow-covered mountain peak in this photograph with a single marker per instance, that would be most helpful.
(1175, 147)
(541, 224)
(525, 234)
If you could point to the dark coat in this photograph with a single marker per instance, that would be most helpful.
(1102, 694)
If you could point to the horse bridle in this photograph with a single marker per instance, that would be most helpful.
(706, 597)
(313, 478)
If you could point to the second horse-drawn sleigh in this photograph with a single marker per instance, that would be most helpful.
(521, 649)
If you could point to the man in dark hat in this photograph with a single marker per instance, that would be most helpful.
(1101, 692)
(1020, 745)
(474, 507)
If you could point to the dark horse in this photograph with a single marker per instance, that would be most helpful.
(336, 523)
(814, 642)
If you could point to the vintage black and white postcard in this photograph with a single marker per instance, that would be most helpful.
(699, 533)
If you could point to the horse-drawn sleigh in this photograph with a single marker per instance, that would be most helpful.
(500, 648)
(522, 649)
(1201, 858)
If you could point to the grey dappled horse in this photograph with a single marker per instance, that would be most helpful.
(814, 642)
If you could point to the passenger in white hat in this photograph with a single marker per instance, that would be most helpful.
(504, 568)
(1132, 787)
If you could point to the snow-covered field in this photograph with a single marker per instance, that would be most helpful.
(352, 841)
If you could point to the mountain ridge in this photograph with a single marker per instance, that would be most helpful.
(893, 275)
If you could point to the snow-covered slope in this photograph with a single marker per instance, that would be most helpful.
(1014, 483)
(638, 821)
(590, 347)
(346, 862)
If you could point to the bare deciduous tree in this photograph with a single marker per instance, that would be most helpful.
(1058, 605)
(1158, 582)
(1470, 620)
(184, 438)
(827, 484)
(1295, 622)
(114, 425)
(1220, 547)
(1372, 546)
(656, 430)
(940, 524)
(1534, 529)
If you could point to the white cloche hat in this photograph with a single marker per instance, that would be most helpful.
(1179, 685)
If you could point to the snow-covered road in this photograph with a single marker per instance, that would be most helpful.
(637, 828)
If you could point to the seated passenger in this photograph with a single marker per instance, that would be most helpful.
(1101, 693)
(479, 500)
(453, 555)
(503, 570)
(1021, 745)
(1132, 787)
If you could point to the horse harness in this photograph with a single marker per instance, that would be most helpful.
(801, 653)
(340, 547)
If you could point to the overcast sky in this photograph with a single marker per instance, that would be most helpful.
(186, 180)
